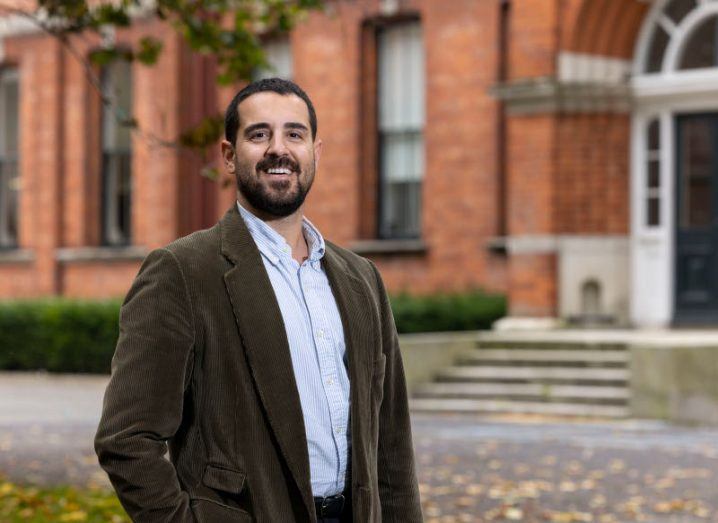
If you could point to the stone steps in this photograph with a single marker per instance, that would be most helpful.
(531, 374)
(505, 376)
(535, 391)
(517, 407)
(538, 356)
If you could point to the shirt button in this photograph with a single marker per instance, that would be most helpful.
(320, 333)
(338, 430)
(330, 381)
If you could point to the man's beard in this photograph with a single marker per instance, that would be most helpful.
(279, 200)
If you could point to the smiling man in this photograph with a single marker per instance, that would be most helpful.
(263, 357)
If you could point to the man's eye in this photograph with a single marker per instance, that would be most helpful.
(258, 135)
(295, 135)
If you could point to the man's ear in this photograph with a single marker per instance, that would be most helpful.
(317, 152)
(229, 156)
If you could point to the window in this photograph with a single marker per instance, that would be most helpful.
(701, 49)
(278, 54)
(9, 175)
(653, 174)
(698, 159)
(400, 93)
(116, 153)
(682, 35)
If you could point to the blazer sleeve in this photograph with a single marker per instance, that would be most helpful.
(143, 402)
(398, 486)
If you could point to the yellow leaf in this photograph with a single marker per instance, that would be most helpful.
(617, 465)
(567, 486)
(77, 515)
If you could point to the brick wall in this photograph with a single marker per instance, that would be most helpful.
(592, 175)
(555, 165)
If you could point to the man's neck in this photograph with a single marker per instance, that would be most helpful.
(289, 227)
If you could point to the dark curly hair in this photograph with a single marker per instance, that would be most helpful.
(275, 85)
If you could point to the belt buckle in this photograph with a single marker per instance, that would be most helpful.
(329, 501)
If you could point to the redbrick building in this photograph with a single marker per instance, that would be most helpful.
(562, 151)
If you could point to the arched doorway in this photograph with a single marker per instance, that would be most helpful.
(674, 193)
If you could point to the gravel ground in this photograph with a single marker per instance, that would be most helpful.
(471, 468)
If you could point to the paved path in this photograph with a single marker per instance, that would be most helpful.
(471, 469)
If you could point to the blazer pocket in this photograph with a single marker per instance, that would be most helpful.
(221, 496)
(226, 480)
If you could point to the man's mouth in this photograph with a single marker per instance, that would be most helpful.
(279, 170)
(279, 173)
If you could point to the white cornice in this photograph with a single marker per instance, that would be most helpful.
(581, 67)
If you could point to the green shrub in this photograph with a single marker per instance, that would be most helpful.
(63, 335)
(58, 335)
(447, 312)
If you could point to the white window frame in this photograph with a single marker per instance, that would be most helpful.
(662, 95)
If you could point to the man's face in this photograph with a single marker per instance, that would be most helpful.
(275, 157)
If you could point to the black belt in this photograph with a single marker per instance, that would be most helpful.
(331, 506)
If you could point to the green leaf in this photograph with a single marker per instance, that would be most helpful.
(205, 133)
(149, 50)
(211, 173)
(105, 56)
(109, 14)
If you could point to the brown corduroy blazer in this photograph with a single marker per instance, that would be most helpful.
(202, 366)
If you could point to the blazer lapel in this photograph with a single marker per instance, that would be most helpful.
(352, 296)
(354, 306)
(263, 335)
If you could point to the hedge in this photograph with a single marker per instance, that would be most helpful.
(58, 335)
(474, 310)
(63, 335)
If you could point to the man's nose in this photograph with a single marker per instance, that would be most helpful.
(277, 145)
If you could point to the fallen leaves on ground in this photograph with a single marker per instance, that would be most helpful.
(63, 504)
(504, 483)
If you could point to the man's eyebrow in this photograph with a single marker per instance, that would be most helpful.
(296, 125)
(264, 125)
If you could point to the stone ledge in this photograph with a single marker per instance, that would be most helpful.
(548, 95)
(91, 254)
(389, 247)
(16, 256)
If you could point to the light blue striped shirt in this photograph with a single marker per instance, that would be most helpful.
(316, 345)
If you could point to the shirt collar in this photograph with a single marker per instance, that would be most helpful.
(273, 245)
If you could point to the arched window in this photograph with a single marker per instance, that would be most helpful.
(680, 35)
(701, 48)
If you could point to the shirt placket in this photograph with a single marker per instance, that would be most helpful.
(328, 371)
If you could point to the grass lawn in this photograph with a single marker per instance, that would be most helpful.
(59, 504)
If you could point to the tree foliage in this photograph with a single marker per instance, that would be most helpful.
(228, 30)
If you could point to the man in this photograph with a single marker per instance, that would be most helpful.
(264, 357)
